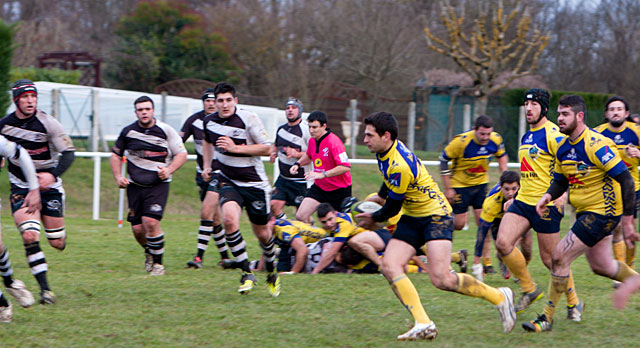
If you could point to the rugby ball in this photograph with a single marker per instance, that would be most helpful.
(365, 207)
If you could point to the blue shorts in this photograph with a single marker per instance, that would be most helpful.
(550, 223)
(483, 229)
(591, 228)
(385, 235)
(419, 230)
(469, 196)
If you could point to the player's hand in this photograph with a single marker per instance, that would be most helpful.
(225, 143)
(32, 201)
(450, 194)
(163, 172)
(291, 152)
(365, 220)
(541, 207)
(313, 175)
(294, 169)
(206, 174)
(122, 182)
(560, 201)
(507, 204)
(629, 230)
(45, 180)
(272, 156)
(632, 151)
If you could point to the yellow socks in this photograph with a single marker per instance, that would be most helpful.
(572, 297)
(619, 250)
(631, 256)
(470, 286)
(408, 295)
(518, 266)
(624, 272)
(455, 257)
(557, 287)
(486, 261)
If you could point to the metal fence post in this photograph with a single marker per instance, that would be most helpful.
(411, 127)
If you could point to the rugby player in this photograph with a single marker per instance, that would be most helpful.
(426, 219)
(601, 189)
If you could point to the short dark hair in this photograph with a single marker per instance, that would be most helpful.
(616, 98)
(383, 122)
(483, 121)
(224, 87)
(509, 176)
(575, 102)
(319, 116)
(143, 99)
(349, 256)
(324, 209)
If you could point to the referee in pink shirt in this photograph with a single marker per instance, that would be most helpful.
(331, 168)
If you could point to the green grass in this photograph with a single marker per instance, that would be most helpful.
(107, 300)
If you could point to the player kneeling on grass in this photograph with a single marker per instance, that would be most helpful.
(426, 220)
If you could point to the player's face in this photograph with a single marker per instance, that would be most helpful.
(533, 111)
(226, 104)
(483, 135)
(316, 130)
(27, 103)
(292, 112)
(567, 120)
(509, 189)
(373, 140)
(329, 222)
(209, 106)
(144, 112)
(616, 113)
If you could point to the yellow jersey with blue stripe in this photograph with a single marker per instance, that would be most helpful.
(408, 180)
(590, 163)
(493, 205)
(287, 230)
(346, 228)
(470, 160)
(629, 135)
(537, 160)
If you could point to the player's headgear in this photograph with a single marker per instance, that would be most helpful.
(541, 96)
(21, 87)
(208, 93)
(297, 103)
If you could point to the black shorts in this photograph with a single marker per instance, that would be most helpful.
(146, 201)
(206, 186)
(549, 223)
(254, 199)
(419, 230)
(591, 228)
(635, 211)
(469, 196)
(52, 201)
(385, 235)
(292, 192)
(334, 197)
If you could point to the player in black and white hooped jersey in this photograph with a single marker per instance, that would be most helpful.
(154, 152)
(52, 152)
(210, 223)
(238, 139)
(291, 143)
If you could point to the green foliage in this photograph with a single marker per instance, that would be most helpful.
(6, 52)
(48, 74)
(163, 41)
(510, 109)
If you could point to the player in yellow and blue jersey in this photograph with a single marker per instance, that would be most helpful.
(626, 135)
(426, 219)
(537, 159)
(293, 234)
(601, 189)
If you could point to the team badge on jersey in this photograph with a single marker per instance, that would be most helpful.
(317, 163)
(534, 152)
(605, 154)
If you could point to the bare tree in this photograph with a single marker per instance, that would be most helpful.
(485, 50)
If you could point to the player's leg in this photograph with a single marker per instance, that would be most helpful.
(259, 214)
(53, 202)
(368, 243)
(547, 242)
(15, 287)
(481, 236)
(602, 263)
(154, 204)
(622, 294)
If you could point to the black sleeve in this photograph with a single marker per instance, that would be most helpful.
(390, 208)
(383, 192)
(65, 161)
(444, 167)
(559, 185)
(628, 192)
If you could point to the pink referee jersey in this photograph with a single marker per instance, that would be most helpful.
(326, 155)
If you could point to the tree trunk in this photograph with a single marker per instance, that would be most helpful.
(480, 106)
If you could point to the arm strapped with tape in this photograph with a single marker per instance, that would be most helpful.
(65, 161)
(628, 192)
(444, 167)
(559, 185)
(390, 208)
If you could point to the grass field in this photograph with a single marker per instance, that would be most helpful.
(106, 299)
